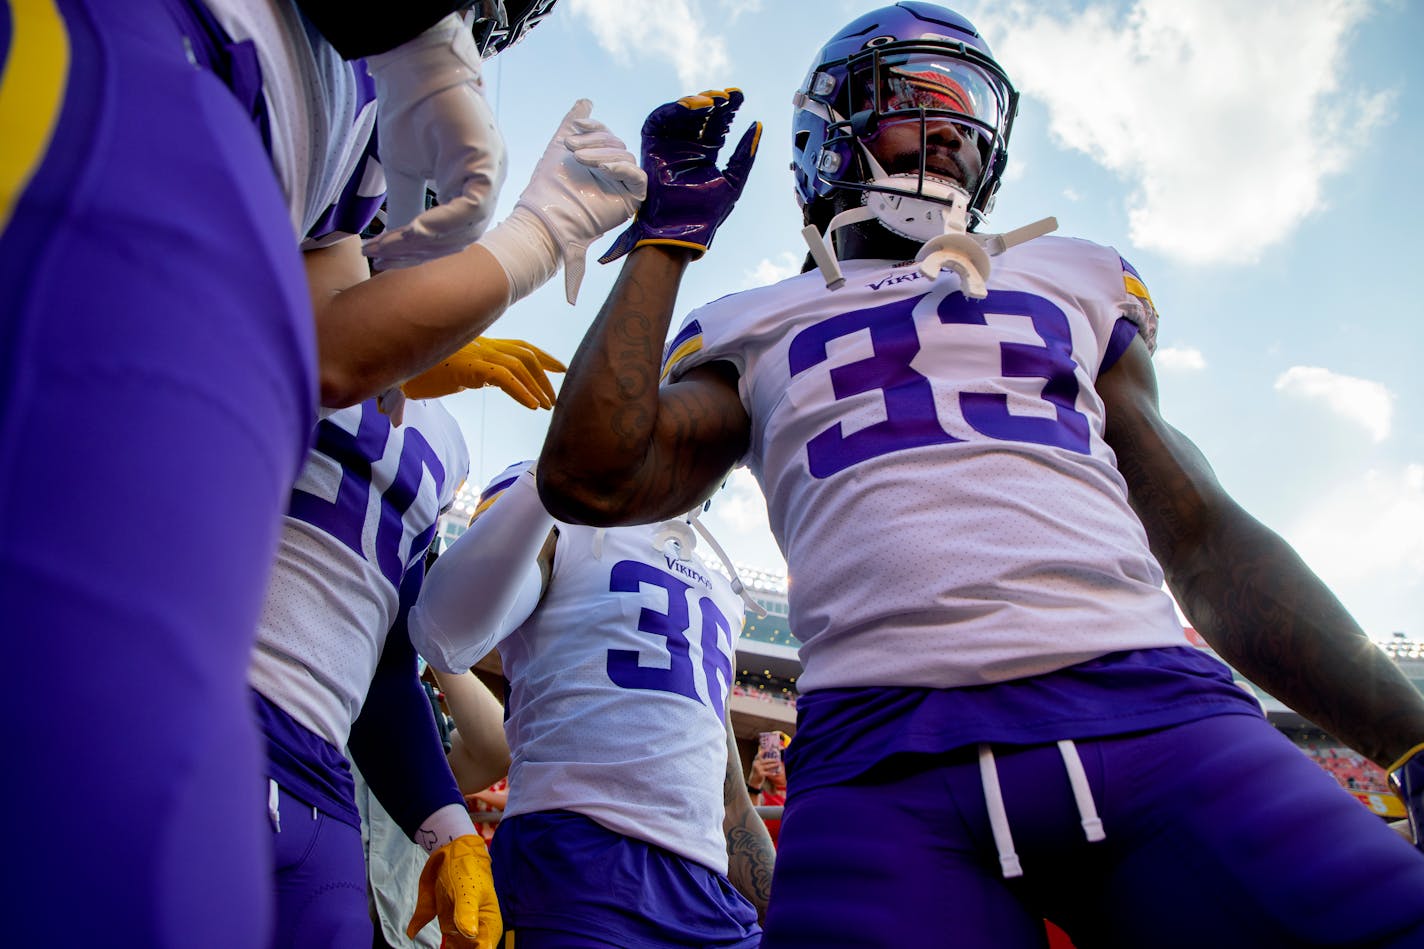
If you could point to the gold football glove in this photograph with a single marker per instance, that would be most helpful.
(458, 887)
(517, 367)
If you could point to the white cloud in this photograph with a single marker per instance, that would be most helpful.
(1228, 119)
(1366, 403)
(740, 504)
(771, 270)
(673, 30)
(1180, 359)
(1366, 537)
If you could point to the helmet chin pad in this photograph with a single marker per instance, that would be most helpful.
(914, 206)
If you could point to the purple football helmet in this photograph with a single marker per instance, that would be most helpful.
(908, 63)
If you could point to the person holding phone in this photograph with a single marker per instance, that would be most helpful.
(767, 782)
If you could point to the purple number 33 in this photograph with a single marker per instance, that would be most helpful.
(911, 419)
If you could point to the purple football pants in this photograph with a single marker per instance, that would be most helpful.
(1218, 833)
(320, 877)
(156, 395)
(567, 882)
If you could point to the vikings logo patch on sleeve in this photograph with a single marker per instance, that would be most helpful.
(684, 344)
(1139, 307)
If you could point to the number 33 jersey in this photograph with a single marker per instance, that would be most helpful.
(934, 466)
(618, 689)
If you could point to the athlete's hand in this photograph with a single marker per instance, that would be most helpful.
(517, 367)
(586, 183)
(1407, 779)
(434, 126)
(688, 196)
(458, 887)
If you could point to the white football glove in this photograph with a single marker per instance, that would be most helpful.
(586, 184)
(434, 125)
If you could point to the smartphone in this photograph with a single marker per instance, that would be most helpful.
(770, 747)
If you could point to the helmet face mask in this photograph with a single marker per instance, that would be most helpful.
(917, 87)
(917, 73)
(499, 24)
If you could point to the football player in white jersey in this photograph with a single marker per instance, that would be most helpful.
(960, 445)
(627, 812)
(157, 318)
(333, 668)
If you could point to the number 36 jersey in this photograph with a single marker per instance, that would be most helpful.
(934, 466)
(618, 689)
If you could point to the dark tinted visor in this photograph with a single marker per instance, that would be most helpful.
(905, 82)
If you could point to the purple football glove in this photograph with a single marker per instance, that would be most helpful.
(688, 196)
(1407, 779)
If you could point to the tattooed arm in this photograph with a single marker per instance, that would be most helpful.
(750, 854)
(1243, 587)
(621, 449)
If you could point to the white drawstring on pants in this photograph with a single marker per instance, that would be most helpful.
(1082, 794)
(999, 817)
(274, 808)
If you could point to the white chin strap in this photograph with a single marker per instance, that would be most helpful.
(675, 539)
(941, 226)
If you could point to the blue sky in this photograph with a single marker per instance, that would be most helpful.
(1258, 164)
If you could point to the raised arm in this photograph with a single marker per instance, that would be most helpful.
(620, 449)
(1243, 587)
(750, 854)
(373, 334)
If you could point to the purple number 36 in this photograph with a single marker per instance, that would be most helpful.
(624, 668)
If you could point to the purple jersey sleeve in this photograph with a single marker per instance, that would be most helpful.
(394, 741)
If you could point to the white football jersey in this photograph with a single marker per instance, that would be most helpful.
(321, 109)
(934, 466)
(618, 689)
(362, 513)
